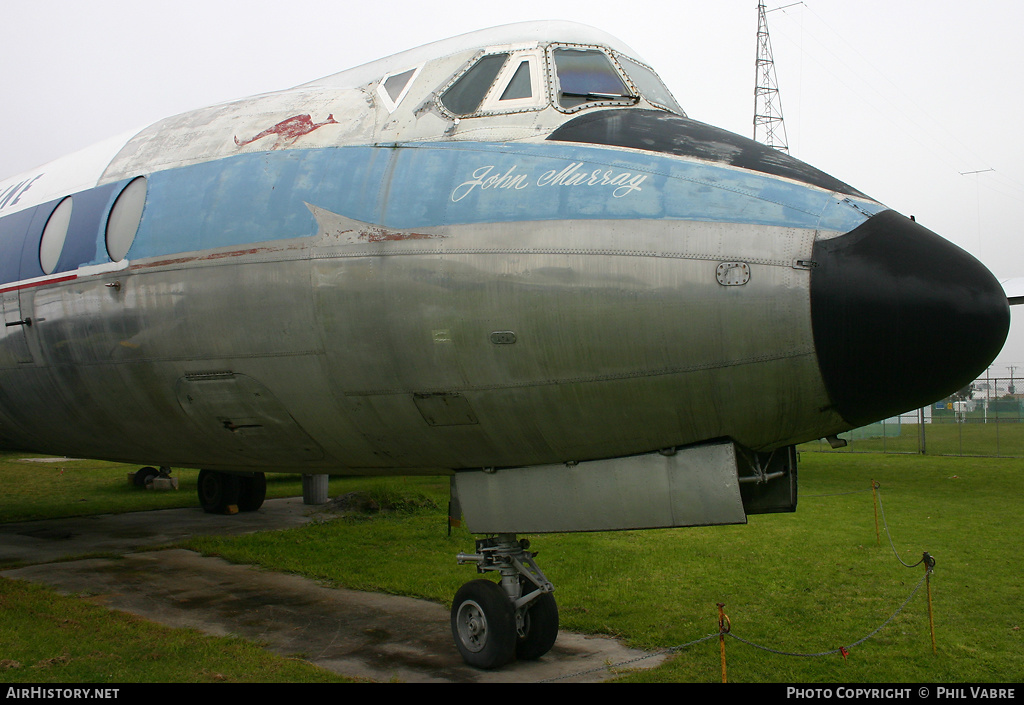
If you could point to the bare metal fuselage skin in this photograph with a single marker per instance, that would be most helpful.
(322, 284)
(445, 346)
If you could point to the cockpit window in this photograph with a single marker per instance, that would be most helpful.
(520, 86)
(393, 87)
(588, 76)
(648, 83)
(467, 93)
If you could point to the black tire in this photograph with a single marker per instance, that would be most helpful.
(252, 492)
(540, 624)
(484, 624)
(144, 476)
(218, 492)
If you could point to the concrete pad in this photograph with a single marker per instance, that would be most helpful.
(63, 539)
(367, 635)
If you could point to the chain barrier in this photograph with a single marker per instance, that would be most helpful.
(725, 629)
(885, 524)
(832, 494)
(725, 625)
(842, 650)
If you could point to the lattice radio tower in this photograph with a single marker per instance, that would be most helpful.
(768, 125)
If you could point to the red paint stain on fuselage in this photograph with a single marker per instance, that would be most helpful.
(290, 129)
(207, 257)
(384, 235)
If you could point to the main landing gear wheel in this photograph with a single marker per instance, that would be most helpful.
(227, 493)
(252, 492)
(145, 475)
(482, 610)
(218, 492)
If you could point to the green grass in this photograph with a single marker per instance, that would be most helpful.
(803, 583)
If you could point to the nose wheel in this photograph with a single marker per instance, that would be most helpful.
(538, 628)
(496, 622)
(484, 624)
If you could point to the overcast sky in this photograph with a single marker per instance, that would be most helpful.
(900, 98)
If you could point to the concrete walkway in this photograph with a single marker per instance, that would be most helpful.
(367, 635)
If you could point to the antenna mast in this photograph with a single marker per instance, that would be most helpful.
(768, 126)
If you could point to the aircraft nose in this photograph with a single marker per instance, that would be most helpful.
(901, 317)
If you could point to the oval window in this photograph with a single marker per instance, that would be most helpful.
(54, 234)
(125, 216)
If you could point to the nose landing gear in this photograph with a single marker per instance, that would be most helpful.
(492, 623)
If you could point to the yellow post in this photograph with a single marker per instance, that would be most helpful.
(724, 625)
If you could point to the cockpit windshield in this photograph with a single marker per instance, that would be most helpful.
(588, 76)
(648, 83)
(580, 77)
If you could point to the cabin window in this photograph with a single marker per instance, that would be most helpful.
(650, 86)
(588, 76)
(124, 219)
(467, 93)
(54, 234)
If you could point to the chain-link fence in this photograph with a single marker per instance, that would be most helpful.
(984, 420)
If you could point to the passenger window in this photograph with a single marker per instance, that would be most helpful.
(125, 218)
(465, 95)
(587, 75)
(56, 231)
(649, 85)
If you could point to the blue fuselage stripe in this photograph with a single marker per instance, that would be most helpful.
(260, 197)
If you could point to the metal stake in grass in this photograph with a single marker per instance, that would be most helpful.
(929, 565)
(874, 497)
